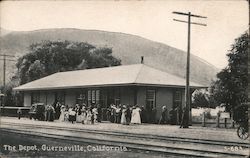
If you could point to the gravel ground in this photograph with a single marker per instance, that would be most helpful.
(163, 130)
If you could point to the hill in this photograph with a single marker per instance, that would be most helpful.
(4, 32)
(129, 48)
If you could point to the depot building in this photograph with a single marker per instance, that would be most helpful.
(131, 85)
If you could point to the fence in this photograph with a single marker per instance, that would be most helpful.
(12, 111)
(222, 120)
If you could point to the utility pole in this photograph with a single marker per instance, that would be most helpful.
(4, 73)
(186, 113)
(4, 65)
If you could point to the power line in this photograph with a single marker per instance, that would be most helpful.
(8, 59)
(190, 22)
(186, 114)
(187, 14)
(7, 55)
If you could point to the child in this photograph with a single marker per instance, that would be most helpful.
(72, 115)
(89, 117)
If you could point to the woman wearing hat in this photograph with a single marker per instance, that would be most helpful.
(61, 118)
(124, 113)
(136, 118)
(72, 115)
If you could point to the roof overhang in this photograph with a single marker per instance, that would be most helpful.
(127, 75)
(107, 85)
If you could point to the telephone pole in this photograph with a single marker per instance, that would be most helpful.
(4, 73)
(186, 113)
(4, 65)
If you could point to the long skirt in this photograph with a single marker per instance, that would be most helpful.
(78, 118)
(62, 117)
(123, 119)
(66, 116)
(112, 118)
(88, 119)
(84, 118)
(50, 116)
(72, 118)
(136, 119)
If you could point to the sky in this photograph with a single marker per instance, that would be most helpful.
(226, 20)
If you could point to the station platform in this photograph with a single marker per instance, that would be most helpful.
(193, 132)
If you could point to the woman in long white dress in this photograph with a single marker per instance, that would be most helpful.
(95, 113)
(123, 117)
(136, 118)
(83, 115)
(62, 115)
(88, 116)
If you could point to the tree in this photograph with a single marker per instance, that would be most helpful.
(11, 98)
(230, 88)
(101, 57)
(36, 70)
(50, 57)
(200, 99)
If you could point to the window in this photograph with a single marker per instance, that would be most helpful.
(110, 96)
(150, 99)
(177, 98)
(114, 96)
(97, 96)
(35, 97)
(89, 97)
(81, 97)
(60, 97)
(93, 96)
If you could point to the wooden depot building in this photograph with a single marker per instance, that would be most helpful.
(136, 84)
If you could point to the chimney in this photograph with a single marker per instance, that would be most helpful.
(142, 59)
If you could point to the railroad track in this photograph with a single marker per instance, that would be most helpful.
(167, 148)
(133, 135)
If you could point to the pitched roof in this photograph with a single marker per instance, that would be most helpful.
(138, 74)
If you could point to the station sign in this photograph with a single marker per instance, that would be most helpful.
(224, 115)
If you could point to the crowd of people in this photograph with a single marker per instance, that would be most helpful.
(121, 114)
(173, 117)
(124, 114)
